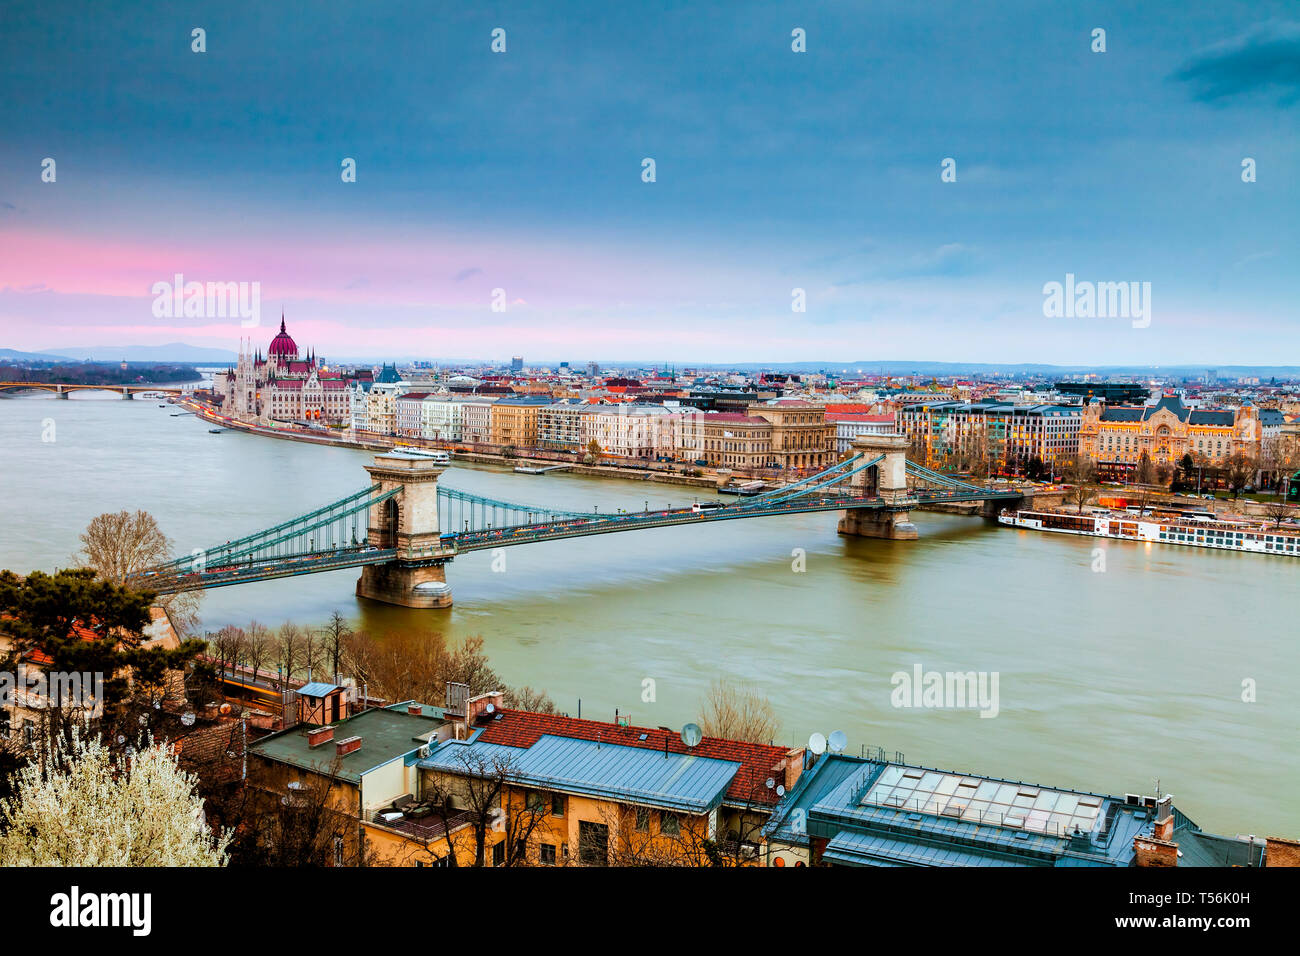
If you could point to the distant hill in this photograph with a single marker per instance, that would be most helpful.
(175, 352)
(13, 355)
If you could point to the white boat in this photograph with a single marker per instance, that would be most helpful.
(1194, 531)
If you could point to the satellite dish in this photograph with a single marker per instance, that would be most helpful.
(491, 708)
(187, 719)
(839, 740)
(692, 735)
(770, 783)
(780, 791)
(817, 743)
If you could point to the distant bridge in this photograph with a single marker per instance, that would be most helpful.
(402, 529)
(63, 391)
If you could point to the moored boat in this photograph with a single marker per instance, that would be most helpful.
(1196, 531)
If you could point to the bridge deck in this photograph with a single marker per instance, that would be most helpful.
(170, 581)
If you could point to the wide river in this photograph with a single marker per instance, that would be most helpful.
(1108, 680)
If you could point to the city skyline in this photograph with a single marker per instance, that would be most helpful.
(775, 171)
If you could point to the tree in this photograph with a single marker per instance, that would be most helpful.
(289, 649)
(1277, 512)
(119, 545)
(334, 638)
(92, 810)
(259, 647)
(525, 698)
(735, 711)
(85, 625)
(476, 794)
(1237, 472)
(1145, 473)
(1081, 475)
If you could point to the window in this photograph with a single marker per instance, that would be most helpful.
(557, 804)
(499, 854)
(670, 824)
(593, 843)
(338, 851)
(4, 725)
(548, 854)
(642, 820)
(534, 800)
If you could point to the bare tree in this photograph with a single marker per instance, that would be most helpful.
(526, 698)
(1145, 473)
(1237, 472)
(1081, 475)
(476, 795)
(334, 637)
(259, 647)
(736, 711)
(288, 649)
(1277, 512)
(119, 545)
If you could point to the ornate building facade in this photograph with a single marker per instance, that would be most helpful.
(1117, 436)
(285, 386)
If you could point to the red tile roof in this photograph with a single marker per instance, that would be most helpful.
(520, 728)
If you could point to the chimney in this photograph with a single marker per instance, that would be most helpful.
(1164, 829)
(319, 735)
(344, 747)
(1279, 851)
(1153, 852)
(476, 706)
(793, 767)
(414, 709)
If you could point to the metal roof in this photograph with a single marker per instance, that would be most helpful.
(674, 781)
(316, 689)
(861, 849)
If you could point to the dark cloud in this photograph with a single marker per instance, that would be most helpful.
(1265, 59)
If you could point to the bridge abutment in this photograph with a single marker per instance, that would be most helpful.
(407, 523)
(886, 481)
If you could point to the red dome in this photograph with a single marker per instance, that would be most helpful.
(283, 347)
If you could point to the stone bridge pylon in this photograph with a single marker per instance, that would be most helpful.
(888, 481)
(407, 522)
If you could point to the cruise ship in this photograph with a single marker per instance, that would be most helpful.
(1194, 531)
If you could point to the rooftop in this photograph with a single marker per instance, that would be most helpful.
(386, 735)
(758, 762)
(685, 782)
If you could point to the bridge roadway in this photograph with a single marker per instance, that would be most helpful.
(454, 543)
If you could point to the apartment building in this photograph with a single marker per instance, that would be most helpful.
(409, 414)
(561, 425)
(440, 418)
(476, 419)
(631, 431)
(513, 421)
(360, 770)
(587, 793)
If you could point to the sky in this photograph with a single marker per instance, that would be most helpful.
(774, 171)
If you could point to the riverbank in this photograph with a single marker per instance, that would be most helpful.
(205, 412)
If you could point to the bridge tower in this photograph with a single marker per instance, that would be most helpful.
(409, 523)
(887, 480)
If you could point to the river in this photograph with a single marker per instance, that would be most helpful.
(1107, 680)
